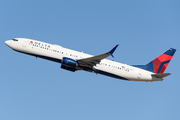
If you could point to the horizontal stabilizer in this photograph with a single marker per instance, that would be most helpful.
(161, 75)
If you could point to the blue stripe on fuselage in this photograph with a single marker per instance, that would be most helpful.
(108, 74)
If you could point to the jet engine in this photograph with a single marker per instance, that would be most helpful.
(69, 64)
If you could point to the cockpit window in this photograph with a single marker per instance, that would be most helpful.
(14, 39)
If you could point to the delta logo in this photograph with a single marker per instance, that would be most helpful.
(42, 45)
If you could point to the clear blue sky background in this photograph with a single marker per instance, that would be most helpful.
(37, 89)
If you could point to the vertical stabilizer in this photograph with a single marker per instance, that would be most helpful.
(159, 64)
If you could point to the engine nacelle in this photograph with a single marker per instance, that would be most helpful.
(69, 64)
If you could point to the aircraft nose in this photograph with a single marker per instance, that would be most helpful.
(8, 42)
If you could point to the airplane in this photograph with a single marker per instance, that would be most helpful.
(72, 60)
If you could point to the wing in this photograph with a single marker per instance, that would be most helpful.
(92, 61)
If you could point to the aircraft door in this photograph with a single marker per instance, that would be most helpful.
(24, 43)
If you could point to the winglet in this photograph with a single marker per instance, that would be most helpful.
(112, 51)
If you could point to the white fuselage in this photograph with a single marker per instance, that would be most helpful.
(56, 53)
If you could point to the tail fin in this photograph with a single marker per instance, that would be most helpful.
(159, 64)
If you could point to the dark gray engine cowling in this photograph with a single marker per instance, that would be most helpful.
(69, 64)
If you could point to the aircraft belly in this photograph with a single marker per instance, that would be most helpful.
(41, 54)
(108, 73)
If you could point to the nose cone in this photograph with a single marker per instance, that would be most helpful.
(8, 42)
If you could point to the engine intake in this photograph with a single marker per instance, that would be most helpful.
(69, 64)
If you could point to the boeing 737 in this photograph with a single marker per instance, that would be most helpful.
(73, 61)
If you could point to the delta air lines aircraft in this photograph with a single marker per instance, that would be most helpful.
(73, 61)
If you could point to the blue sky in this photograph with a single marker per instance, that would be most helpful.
(36, 89)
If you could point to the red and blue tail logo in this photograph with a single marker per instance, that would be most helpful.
(159, 64)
